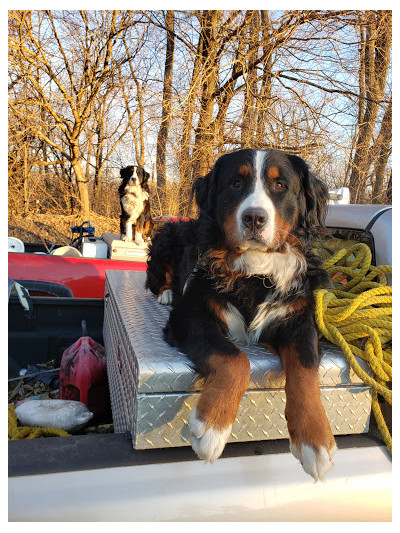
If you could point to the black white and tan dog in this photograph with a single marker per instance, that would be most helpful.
(244, 272)
(135, 220)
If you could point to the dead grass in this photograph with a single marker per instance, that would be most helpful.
(55, 228)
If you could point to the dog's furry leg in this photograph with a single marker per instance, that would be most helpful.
(128, 235)
(139, 239)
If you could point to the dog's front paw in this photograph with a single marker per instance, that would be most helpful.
(209, 443)
(139, 241)
(315, 460)
(126, 238)
(165, 298)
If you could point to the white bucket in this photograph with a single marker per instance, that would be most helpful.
(15, 245)
(67, 251)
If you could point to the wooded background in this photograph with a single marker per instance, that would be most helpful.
(93, 91)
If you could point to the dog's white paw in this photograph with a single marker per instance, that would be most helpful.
(209, 443)
(126, 238)
(165, 298)
(316, 462)
(139, 239)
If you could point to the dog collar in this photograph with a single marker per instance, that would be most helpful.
(191, 277)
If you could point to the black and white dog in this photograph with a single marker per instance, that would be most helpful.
(245, 272)
(135, 221)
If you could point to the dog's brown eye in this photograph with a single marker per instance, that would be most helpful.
(278, 184)
(237, 184)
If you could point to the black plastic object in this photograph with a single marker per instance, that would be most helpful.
(49, 287)
(56, 323)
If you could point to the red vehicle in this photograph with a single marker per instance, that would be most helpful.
(78, 274)
(83, 276)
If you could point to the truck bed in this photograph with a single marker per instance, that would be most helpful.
(250, 482)
(99, 477)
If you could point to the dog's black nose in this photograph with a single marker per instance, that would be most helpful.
(254, 218)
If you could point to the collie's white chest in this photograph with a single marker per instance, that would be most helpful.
(133, 201)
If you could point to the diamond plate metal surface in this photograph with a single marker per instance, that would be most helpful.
(162, 419)
(153, 387)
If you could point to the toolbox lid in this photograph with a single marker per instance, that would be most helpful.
(123, 250)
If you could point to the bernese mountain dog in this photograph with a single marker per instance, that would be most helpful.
(135, 221)
(244, 272)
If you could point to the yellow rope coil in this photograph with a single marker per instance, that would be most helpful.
(356, 315)
(16, 432)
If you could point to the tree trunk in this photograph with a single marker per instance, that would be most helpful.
(26, 195)
(139, 145)
(166, 107)
(203, 150)
(83, 191)
(384, 146)
(376, 57)
(264, 97)
(389, 190)
(248, 121)
(98, 156)
(185, 166)
(82, 184)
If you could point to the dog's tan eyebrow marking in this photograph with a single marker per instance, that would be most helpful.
(273, 172)
(244, 170)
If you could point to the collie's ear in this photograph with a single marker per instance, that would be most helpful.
(126, 172)
(315, 192)
(204, 191)
(146, 175)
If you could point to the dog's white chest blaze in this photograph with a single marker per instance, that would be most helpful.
(133, 201)
(284, 268)
(267, 313)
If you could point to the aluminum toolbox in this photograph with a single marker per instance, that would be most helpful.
(123, 251)
(153, 388)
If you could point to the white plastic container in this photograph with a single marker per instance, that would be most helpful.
(15, 245)
(94, 247)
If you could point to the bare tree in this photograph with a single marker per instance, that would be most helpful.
(90, 90)
(166, 105)
(108, 133)
(376, 38)
(382, 147)
(251, 89)
(74, 52)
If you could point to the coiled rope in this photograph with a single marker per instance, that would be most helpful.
(16, 432)
(356, 315)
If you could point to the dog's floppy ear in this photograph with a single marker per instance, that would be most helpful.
(204, 191)
(316, 196)
(146, 176)
(126, 172)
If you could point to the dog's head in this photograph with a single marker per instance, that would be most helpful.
(261, 199)
(134, 175)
